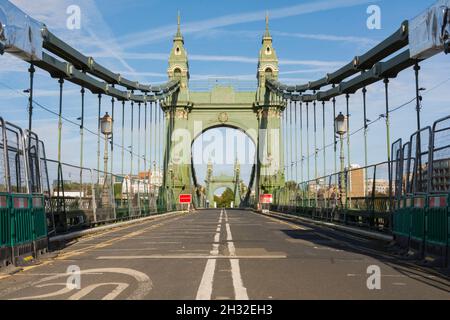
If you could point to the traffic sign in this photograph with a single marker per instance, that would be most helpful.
(185, 198)
(266, 198)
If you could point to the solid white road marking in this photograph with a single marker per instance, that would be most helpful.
(204, 291)
(240, 291)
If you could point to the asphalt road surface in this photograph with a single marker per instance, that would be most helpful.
(223, 255)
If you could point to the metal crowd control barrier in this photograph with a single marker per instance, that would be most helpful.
(23, 222)
(422, 214)
(31, 207)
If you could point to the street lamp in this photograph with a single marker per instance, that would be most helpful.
(341, 130)
(106, 129)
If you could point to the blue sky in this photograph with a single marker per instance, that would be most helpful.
(223, 40)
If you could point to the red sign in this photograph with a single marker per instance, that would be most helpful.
(266, 198)
(185, 198)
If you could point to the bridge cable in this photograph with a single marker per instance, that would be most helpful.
(316, 172)
(366, 157)
(31, 71)
(132, 140)
(139, 159)
(296, 141)
(286, 145)
(323, 140)
(388, 139)
(291, 158)
(146, 173)
(112, 140)
(61, 206)
(122, 170)
(308, 154)
(349, 161)
(61, 84)
(82, 91)
(98, 136)
(301, 143)
(139, 137)
(335, 136)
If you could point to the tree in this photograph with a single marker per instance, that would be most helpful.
(225, 199)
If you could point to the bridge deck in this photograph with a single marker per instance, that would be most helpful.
(228, 255)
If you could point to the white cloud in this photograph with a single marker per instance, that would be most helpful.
(165, 32)
(327, 37)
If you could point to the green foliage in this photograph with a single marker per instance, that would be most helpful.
(118, 191)
(225, 199)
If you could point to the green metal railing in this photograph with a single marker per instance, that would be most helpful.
(23, 218)
(5, 222)
(326, 198)
(39, 217)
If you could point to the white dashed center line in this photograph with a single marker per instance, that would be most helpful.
(206, 285)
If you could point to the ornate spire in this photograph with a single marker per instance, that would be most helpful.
(178, 36)
(267, 33)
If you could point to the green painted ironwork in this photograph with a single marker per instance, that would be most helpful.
(402, 218)
(39, 216)
(418, 218)
(437, 221)
(22, 220)
(259, 117)
(5, 221)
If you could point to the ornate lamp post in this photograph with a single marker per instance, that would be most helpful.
(341, 130)
(106, 129)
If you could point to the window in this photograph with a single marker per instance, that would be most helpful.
(177, 73)
(269, 73)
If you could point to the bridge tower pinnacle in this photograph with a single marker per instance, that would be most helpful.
(268, 61)
(178, 60)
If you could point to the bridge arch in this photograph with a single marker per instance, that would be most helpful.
(213, 183)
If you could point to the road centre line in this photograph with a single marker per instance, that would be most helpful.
(205, 289)
(240, 291)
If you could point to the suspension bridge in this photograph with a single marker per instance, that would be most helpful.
(300, 230)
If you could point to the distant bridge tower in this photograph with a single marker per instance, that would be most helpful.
(237, 185)
(213, 183)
